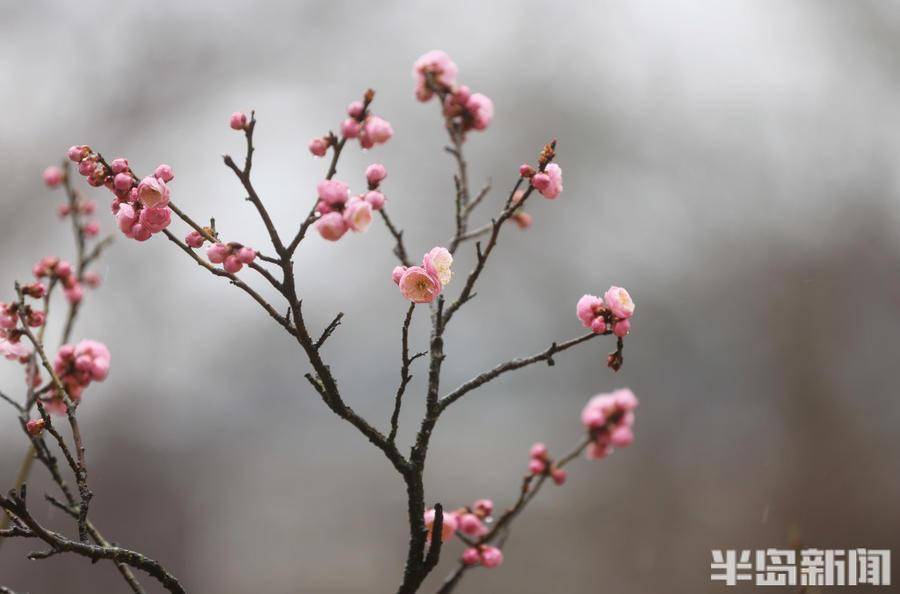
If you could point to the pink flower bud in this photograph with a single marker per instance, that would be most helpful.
(91, 228)
(483, 507)
(238, 121)
(74, 293)
(194, 239)
(63, 210)
(217, 253)
(621, 437)
(78, 153)
(123, 182)
(62, 269)
(53, 176)
(126, 217)
(378, 130)
(559, 475)
(471, 525)
(36, 319)
(155, 220)
(331, 226)
(246, 255)
(541, 181)
(119, 165)
(355, 109)
(397, 274)
(481, 108)
(536, 466)
(621, 328)
(86, 166)
(471, 556)
(523, 220)
(599, 325)
(232, 264)
(526, 170)
(350, 128)
(92, 279)
(35, 427)
(549, 183)
(491, 557)
(376, 199)
(538, 451)
(140, 233)
(333, 192)
(375, 173)
(318, 147)
(587, 308)
(164, 172)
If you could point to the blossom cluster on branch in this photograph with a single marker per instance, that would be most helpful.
(144, 207)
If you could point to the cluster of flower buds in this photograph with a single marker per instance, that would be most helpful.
(141, 206)
(435, 73)
(10, 313)
(232, 256)
(609, 419)
(77, 366)
(547, 181)
(484, 555)
(613, 311)
(63, 272)
(369, 129)
(541, 464)
(339, 212)
(53, 177)
(470, 522)
(422, 284)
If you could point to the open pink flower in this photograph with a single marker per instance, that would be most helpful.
(438, 262)
(126, 217)
(619, 302)
(609, 418)
(588, 308)
(419, 286)
(153, 192)
(358, 215)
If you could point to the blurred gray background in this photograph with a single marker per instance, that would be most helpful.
(734, 164)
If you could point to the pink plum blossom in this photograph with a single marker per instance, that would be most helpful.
(238, 121)
(164, 172)
(155, 220)
(376, 199)
(619, 302)
(53, 176)
(331, 226)
(318, 147)
(440, 66)
(471, 556)
(397, 274)
(194, 239)
(609, 418)
(375, 173)
(153, 192)
(333, 192)
(377, 130)
(358, 215)
(417, 285)
(481, 109)
(438, 262)
(491, 557)
(549, 182)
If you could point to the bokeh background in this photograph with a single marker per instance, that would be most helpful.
(734, 164)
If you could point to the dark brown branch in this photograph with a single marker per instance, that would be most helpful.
(329, 330)
(15, 504)
(282, 321)
(405, 376)
(244, 176)
(511, 365)
(399, 247)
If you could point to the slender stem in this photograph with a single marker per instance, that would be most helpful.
(405, 376)
(399, 247)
